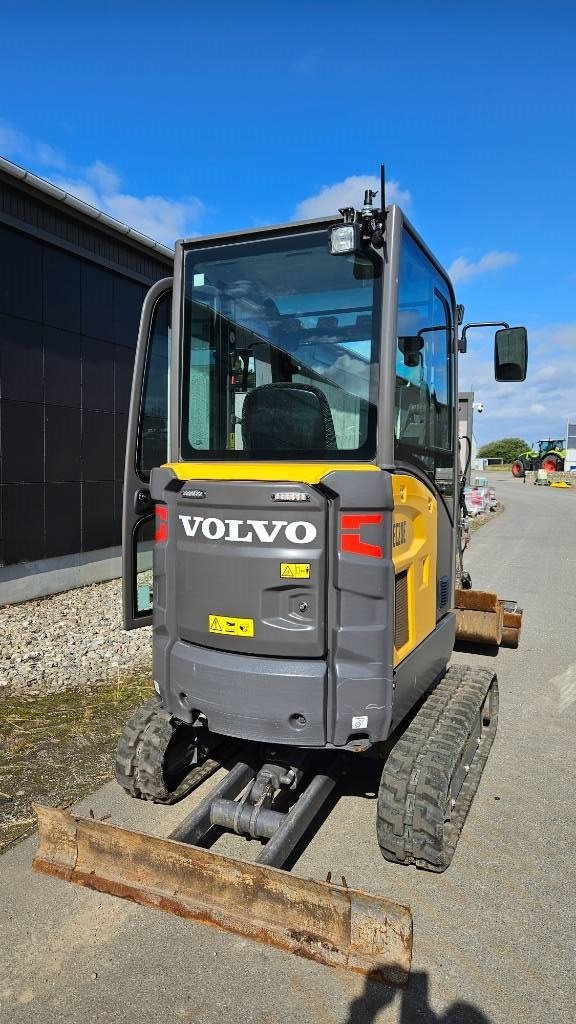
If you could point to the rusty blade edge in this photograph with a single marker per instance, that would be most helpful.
(57, 857)
(299, 943)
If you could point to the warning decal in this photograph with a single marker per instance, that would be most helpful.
(229, 626)
(295, 570)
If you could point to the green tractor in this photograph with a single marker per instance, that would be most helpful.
(548, 455)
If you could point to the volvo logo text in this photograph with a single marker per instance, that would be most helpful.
(240, 530)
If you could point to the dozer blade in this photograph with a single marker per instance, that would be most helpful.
(483, 618)
(335, 925)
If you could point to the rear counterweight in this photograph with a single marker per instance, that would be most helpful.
(274, 619)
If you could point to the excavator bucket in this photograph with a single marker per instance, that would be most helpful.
(333, 924)
(483, 618)
(511, 623)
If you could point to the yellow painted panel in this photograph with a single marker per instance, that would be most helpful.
(278, 472)
(414, 550)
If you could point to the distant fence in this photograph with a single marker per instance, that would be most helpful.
(494, 462)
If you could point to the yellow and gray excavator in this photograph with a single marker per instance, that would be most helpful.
(292, 510)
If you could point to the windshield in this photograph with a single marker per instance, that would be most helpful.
(280, 351)
(549, 446)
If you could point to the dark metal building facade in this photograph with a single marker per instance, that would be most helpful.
(71, 287)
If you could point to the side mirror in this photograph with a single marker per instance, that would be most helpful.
(511, 354)
(411, 348)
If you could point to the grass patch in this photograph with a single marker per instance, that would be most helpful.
(58, 747)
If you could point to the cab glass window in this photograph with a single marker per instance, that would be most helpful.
(152, 448)
(280, 350)
(424, 403)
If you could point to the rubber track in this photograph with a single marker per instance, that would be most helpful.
(141, 751)
(416, 778)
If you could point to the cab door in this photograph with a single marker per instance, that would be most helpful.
(147, 447)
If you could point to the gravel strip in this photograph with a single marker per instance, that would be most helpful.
(70, 640)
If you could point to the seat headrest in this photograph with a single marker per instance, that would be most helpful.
(287, 417)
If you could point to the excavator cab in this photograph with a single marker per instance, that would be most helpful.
(306, 502)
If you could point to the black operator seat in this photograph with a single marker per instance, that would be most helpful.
(285, 417)
(327, 323)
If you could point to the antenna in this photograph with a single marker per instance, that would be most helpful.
(383, 188)
(369, 196)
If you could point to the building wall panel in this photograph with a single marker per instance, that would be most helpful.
(70, 300)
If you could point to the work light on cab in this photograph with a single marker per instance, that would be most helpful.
(344, 238)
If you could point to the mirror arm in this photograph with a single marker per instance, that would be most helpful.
(462, 341)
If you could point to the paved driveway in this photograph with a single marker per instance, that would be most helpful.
(494, 936)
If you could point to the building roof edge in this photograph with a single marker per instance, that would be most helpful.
(78, 204)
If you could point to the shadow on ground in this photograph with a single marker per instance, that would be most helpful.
(414, 1005)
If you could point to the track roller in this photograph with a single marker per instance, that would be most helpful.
(160, 758)
(433, 771)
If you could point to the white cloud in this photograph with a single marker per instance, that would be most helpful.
(462, 269)
(162, 219)
(99, 185)
(17, 146)
(103, 177)
(546, 373)
(349, 192)
(309, 62)
(553, 337)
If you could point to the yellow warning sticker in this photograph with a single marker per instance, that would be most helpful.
(230, 626)
(295, 570)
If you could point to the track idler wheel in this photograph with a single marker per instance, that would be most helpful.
(433, 772)
(159, 758)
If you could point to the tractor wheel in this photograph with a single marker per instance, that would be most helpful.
(159, 758)
(518, 469)
(550, 463)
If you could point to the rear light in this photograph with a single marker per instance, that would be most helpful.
(290, 496)
(161, 534)
(350, 535)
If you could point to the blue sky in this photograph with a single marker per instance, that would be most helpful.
(191, 118)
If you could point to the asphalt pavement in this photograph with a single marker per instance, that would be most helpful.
(494, 936)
